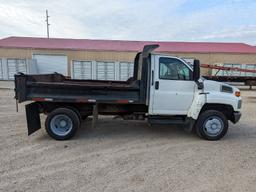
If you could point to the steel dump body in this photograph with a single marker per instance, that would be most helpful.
(57, 88)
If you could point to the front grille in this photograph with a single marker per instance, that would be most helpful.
(239, 105)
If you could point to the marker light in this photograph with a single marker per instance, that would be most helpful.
(237, 93)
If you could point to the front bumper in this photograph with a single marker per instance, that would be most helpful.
(236, 117)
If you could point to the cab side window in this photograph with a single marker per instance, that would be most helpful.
(173, 69)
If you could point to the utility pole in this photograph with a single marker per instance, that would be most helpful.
(47, 24)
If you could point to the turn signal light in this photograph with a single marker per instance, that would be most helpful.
(237, 93)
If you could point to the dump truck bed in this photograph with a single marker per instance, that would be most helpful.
(57, 88)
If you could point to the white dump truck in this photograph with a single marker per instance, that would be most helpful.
(163, 90)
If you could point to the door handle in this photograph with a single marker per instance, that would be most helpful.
(157, 85)
(152, 78)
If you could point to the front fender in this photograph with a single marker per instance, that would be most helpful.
(197, 104)
(216, 99)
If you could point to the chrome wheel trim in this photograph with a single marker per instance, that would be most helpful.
(61, 125)
(213, 126)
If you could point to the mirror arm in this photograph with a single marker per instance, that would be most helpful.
(200, 85)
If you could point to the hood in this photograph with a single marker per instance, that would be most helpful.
(210, 85)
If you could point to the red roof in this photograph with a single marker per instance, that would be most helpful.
(117, 45)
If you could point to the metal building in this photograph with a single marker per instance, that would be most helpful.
(107, 59)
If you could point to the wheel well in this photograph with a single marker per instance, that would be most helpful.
(227, 110)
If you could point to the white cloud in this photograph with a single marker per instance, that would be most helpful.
(130, 19)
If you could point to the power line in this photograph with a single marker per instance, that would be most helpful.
(47, 24)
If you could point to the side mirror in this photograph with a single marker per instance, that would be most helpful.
(196, 74)
(196, 70)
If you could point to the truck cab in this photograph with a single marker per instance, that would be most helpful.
(177, 90)
(164, 90)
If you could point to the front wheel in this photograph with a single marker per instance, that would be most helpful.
(211, 125)
(62, 123)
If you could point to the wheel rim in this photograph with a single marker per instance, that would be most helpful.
(213, 126)
(61, 125)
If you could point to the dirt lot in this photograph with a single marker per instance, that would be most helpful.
(126, 156)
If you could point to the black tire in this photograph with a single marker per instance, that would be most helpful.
(73, 123)
(77, 112)
(84, 117)
(209, 116)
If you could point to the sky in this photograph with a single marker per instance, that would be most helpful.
(155, 20)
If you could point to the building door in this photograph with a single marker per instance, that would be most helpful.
(46, 64)
(105, 71)
(15, 66)
(82, 69)
(125, 70)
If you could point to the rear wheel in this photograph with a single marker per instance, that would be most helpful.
(62, 123)
(211, 125)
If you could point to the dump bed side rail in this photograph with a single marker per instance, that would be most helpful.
(56, 88)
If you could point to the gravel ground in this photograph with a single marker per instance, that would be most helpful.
(126, 156)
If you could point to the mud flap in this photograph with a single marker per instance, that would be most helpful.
(33, 118)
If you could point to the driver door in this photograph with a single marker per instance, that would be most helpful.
(172, 89)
